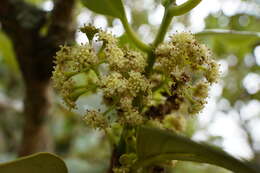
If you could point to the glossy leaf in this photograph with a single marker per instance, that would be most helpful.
(155, 145)
(112, 8)
(36, 163)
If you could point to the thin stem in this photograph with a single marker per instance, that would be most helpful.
(150, 63)
(183, 8)
(166, 21)
(224, 32)
(118, 151)
(139, 43)
(78, 92)
(170, 11)
(111, 108)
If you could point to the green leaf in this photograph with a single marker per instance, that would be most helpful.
(230, 41)
(7, 52)
(155, 145)
(112, 8)
(125, 40)
(36, 163)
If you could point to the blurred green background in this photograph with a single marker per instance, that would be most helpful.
(231, 119)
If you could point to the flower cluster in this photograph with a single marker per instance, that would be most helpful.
(126, 89)
(178, 84)
(125, 86)
(95, 119)
(71, 61)
(188, 71)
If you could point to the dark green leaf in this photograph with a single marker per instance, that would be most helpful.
(36, 163)
(112, 8)
(155, 145)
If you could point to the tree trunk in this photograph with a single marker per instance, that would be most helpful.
(36, 136)
(22, 22)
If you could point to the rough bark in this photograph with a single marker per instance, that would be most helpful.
(22, 23)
